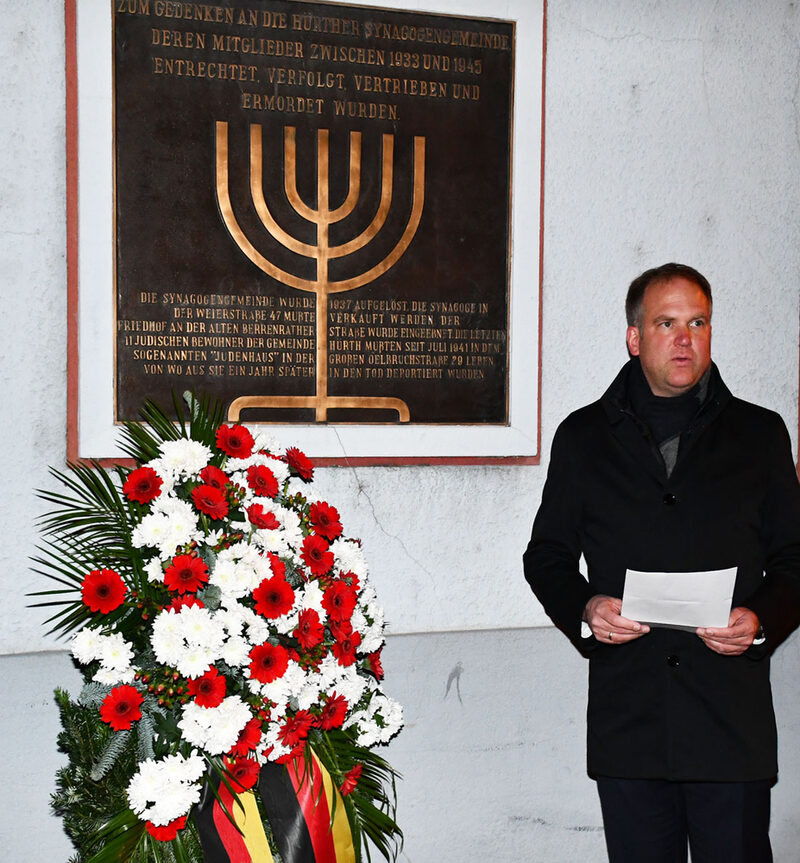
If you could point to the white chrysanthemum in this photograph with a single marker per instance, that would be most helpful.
(189, 639)
(300, 486)
(154, 569)
(310, 596)
(349, 557)
(161, 791)
(215, 729)
(184, 457)
(114, 676)
(236, 651)
(378, 722)
(86, 645)
(344, 680)
(264, 440)
(115, 652)
(371, 633)
(171, 523)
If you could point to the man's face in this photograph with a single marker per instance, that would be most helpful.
(673, 341)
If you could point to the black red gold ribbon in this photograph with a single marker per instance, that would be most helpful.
(298, 799)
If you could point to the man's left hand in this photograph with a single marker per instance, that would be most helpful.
(736, 637)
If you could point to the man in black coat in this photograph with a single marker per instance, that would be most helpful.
(669, 472)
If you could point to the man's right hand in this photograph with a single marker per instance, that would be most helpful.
(602, 613)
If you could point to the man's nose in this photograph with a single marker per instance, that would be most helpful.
(682, 336)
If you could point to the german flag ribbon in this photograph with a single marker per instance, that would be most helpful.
(222, 840)
(297, 798)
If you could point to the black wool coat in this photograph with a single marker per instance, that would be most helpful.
(665, 705)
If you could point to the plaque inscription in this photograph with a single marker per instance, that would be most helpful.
(312, 210)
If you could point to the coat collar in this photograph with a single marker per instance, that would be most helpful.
(634, 434)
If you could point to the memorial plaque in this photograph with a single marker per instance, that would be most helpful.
(312, 211)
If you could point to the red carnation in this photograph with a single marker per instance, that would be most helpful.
(214, 476)
(186, 574)
(268, 662)
(103, 590)
(351, 780)
(345, 649)
(309, 630)
(236, 441)
(166, 832)
(299, 463)
(210, 500)
(339, 600)
(374, 660)
(277, 566)
(185, 602)
(295, 729)
(261, 519)
(325, 520)
(242, 772)
(142, 485)
(274, 597)
(249, 738)
(208, 690)
(333, 713)
(262, 480)
(316, 555)
(121, 707)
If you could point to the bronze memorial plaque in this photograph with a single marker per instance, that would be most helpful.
(312, 207)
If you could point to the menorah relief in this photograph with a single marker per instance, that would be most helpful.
(321, 252)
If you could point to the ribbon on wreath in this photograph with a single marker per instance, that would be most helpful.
(298, 799)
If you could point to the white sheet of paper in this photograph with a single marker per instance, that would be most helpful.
(685, 599)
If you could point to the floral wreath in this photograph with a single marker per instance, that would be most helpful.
(223, 623)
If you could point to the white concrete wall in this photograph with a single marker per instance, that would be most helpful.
(672, 134)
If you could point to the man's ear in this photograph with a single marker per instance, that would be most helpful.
(632, 338)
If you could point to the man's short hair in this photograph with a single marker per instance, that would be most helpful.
(664, 273)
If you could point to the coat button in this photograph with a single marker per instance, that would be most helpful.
(669, 499)
(673, 661)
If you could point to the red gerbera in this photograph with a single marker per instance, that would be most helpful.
(208, 690)
(309, 630)
(143, 485)
(210, 500)
(214, 476)
(351, 780)
(249, 738)
(339, 600)
(185, 602)
(325, 520)
(242, 772)
(186, 574)
(274, 597)
(235, 440)
(374, 660)
(261, 519)
(340, 629)
(296, 728)
(333, 713)
(103, 590)
(166, 832)
(268, 662)
(299, 462)
(120, 708)
(262, 480)
(345, 649)
(316, 555)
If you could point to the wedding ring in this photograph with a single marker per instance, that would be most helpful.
(610, 636)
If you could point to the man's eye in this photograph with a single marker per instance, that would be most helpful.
(666, 324)
(698, 323)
